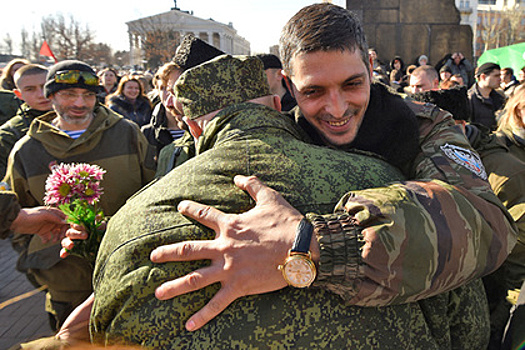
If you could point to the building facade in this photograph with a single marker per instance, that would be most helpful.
(495, 23)
(165, 31)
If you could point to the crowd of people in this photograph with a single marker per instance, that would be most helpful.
(380, 205)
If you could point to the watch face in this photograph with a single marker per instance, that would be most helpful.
(299, 271)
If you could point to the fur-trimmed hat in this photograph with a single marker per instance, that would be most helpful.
(221, 82)
(52, 86)
(193, 51)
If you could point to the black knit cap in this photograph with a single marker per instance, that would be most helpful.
(486, 68)
(270, 61)
(52, 87)
(445, 69)
(193, 51)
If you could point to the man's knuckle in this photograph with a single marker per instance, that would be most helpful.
(193, 281)
(186, 249)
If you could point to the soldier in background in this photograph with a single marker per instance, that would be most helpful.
(29, 81)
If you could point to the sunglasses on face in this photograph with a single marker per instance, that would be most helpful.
(73, 77)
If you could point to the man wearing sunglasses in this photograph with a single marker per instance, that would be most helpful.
(78, 129)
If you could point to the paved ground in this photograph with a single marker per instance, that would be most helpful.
(26, 319)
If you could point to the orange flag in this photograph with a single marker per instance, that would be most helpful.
(45, 50)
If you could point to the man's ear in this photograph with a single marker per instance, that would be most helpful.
(370, 68)
(288, 83)
(277, 103)
(193, 126)
(17, 93)
(435, 85)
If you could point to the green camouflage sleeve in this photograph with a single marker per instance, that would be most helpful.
(9, 210)
(419, 238)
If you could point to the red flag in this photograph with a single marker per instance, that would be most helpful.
(45, 50)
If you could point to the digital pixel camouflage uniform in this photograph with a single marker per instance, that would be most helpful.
(255, 140)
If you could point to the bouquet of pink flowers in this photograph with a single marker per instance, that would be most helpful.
(75, 189)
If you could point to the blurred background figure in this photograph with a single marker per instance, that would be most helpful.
(130, 101)
(29, 81)
(6, 80)
(422, 60)
(163, 128)
(445, 73)
(521, 75)
(397, 73)
(109, 81)
(484, 98)
(424, 78)
(460, 65)
(273, 69)
(508, 81)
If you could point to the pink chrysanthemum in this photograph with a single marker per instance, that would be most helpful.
(77, 181)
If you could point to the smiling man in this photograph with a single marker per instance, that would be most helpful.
(406, 241)
(77, 130)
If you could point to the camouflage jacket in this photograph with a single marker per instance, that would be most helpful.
(13, 130)
(251, 139)
(110, 141)
(9, 104)
(458, 229)
(467, 232)
(506, 171)
(9, 210)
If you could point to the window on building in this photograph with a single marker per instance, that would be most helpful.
(487, 2)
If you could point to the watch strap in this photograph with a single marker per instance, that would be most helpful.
(303, 237)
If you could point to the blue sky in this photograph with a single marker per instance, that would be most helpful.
(259, 22)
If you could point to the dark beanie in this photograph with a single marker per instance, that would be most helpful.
(445, 69)
(193, 51)
(270, 61)
(52, 87)
(486, 68)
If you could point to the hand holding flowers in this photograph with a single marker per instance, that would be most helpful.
(76, 190)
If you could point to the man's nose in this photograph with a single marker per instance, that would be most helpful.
(336, 104)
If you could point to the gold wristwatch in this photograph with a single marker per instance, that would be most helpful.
(299, 269)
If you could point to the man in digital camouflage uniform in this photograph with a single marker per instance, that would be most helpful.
(246, 138)
(421, 238)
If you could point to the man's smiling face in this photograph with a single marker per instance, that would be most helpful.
(332, 89)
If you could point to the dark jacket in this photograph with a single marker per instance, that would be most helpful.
(139, 112)
(9, 104)
(156, 131)
(13, 130)
(484, 109)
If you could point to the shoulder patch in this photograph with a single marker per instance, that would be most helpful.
(466, 158)
(4, 186)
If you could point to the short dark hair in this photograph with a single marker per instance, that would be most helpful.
(270, 61)
(508, 71)
(321, 27)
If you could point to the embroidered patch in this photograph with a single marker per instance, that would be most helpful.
(465, 158)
